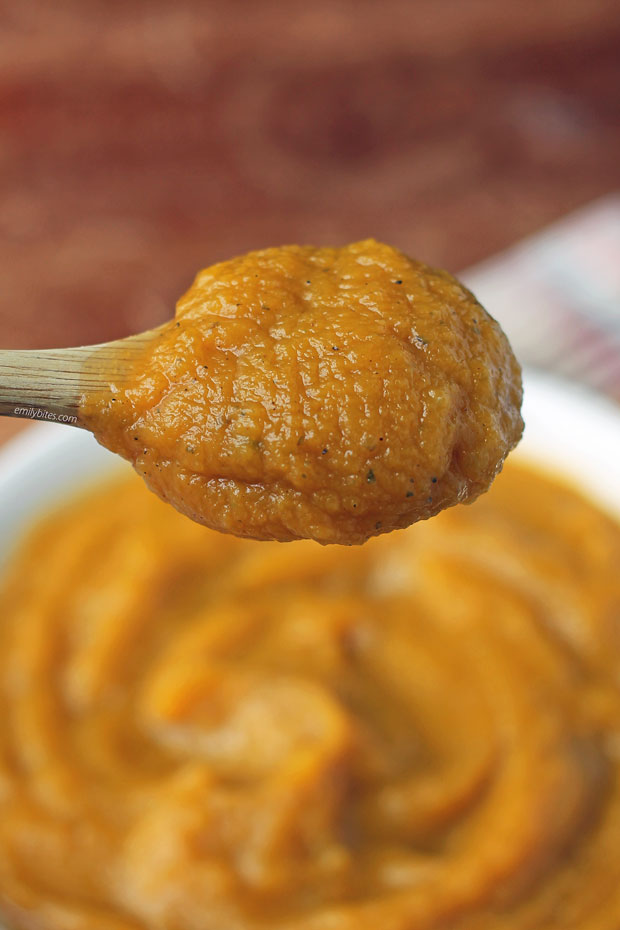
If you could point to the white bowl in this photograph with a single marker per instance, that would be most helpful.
(569, 431)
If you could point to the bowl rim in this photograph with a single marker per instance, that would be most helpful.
(571, 432)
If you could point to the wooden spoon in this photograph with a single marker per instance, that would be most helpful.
(50, 384)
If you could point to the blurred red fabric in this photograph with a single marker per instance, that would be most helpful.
(140, 141)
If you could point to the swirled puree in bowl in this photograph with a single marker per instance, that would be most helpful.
(323, 393)
(201, 732)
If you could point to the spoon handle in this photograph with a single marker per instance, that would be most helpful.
(46, 384)
(52, 384)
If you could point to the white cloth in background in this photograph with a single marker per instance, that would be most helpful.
(557, 296)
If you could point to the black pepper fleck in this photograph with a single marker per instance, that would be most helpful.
(434, 480)
(370, 477)
(378, 525)
(398, 282)
(324, 451)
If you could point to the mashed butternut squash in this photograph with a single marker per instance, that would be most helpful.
(332, 394)
(204, 733)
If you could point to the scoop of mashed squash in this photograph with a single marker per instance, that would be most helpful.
(324, 393)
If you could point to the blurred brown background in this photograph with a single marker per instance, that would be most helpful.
(141, 140)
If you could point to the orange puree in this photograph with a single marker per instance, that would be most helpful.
(204, 733)
(332, 394)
